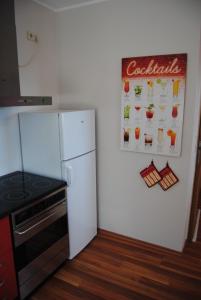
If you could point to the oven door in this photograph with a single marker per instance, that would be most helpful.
(40, 247)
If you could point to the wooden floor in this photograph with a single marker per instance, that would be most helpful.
(113, 267)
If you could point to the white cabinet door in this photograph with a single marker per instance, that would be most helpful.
(77, 133)
(80, 174)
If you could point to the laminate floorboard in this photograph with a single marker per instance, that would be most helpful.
(114, 267)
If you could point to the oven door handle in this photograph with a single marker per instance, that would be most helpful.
(24, 233)
(35, 225)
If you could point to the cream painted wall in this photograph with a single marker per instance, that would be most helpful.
(92, 40)
(40, 77)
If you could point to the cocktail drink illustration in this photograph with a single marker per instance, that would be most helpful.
(175, 87)
(173, 139)
(150, 88)
(172, 134)
(175, 110)
(126, 86)
(162, 108)
(174, 114)
(163, 85)
(160, 136)
(127, 109)
(137, 108)
(150, 112)
(138, 90)
(148, 139)
(126, 135)
(137, 111)
(137, 133)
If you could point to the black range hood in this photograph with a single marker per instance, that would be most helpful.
(9, 70)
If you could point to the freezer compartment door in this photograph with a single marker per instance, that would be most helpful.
(40, 143)
(80, 174)
(77, 133)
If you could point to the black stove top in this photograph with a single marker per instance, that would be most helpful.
(20, 188)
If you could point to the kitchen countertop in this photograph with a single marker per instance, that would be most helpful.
(21, 188)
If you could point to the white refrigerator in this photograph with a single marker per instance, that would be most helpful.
(61, 144)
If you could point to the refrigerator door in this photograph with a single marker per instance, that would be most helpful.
(77, 133)
(80, 174)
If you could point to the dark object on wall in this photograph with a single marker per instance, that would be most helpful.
(9, 72)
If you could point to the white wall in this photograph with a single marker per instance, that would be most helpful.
(92, 41)
(37, 78)
(40, 76)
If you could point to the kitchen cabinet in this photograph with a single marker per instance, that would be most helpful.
(8, 285)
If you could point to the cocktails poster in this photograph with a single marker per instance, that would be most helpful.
(152, 103)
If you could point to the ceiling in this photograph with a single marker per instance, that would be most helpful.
(60, 5)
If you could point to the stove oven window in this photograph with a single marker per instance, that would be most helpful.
(35, 246)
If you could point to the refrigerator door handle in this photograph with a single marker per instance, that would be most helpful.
(69, 175)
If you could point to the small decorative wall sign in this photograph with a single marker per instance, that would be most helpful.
(152, 103)
(168, 178)
(151, 175)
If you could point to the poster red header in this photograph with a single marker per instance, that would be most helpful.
(154, 66)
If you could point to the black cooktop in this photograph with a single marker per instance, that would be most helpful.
(20, 188)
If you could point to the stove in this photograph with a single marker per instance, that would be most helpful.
(37, 206)
(21, 188)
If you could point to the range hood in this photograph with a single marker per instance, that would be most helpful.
(9, 70)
